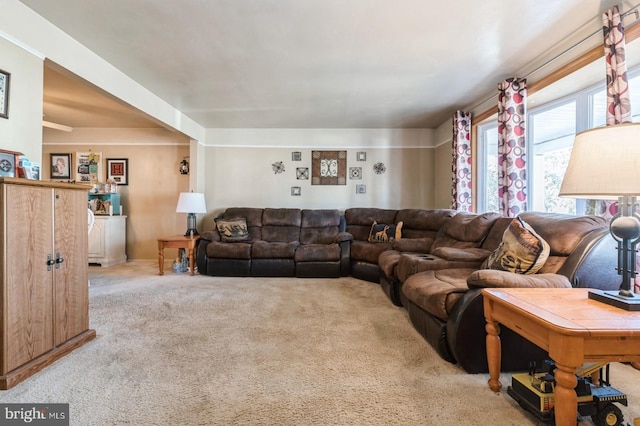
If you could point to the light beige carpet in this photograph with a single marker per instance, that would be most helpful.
(182, 350)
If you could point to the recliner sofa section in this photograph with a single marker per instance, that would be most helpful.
(419, 229)
(446, 306)
(280, 242)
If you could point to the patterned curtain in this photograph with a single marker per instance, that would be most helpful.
(461, 164)
(618, 98)
(512, 159)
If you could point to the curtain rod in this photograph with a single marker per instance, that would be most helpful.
(633, 9)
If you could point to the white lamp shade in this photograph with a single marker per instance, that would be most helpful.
(191, 202)
(604, 163)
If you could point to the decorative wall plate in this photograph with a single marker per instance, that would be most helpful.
(379, 168)
(355, 173)
(277, 167)
(302, 173)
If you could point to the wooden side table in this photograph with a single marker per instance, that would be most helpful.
(566, 323)
(177, 241)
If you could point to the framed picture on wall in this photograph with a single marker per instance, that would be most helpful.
(118, 170)
(89, 167)
(60, 166)
(4, 94)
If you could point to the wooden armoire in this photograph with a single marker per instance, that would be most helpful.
(44, 295)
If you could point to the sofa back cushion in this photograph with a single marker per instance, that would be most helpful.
(281, 225)
(253, 217)
(465, 230)
(319, 226)
(423, 223)
(563, 233)
(360, 219)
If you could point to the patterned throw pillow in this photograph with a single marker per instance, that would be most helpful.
(233, 230)
(382, 233)
(521, 251)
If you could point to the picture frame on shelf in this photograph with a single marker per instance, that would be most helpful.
(5, 79)
(60, 166)
(118, 170)
(88, 167)
(8, 163)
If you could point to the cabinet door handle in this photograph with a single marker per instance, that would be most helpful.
(50, 262)
(59, 260)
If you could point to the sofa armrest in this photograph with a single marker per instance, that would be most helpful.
(343, 236)
(465, 254)
(210, 235)
(414, 245)
(501, 279)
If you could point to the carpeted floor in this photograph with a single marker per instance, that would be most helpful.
(182, 350)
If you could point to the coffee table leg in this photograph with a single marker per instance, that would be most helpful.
(493, 354)
(161, 257)
(566, 401)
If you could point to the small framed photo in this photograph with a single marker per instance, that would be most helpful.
(118, 170)
(8, 162)
(4, 94)
(296, 191)
(60, 166)
(361, 156)
(361, 189)
(296, 156)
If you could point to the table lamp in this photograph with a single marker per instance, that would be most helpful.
(605, 164)
(191, 203)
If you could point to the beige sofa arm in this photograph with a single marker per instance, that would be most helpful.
(501, 279)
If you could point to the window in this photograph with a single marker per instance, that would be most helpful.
(552, 129)
(488, 162)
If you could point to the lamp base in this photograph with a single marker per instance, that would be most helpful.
(191, 232)
(613, 298)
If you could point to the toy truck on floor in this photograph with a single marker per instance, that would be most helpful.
(535, 393)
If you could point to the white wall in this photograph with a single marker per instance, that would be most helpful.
(22, 131)
(238, 170)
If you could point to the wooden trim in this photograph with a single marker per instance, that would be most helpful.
(631, 34)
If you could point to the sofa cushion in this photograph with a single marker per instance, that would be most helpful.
(422, 223)
(274, 250)
(468, 254)
(465, 230)
(522, 250)
(420, 245)
(437, 292)
(222, 250)
(318, 253)
(233, 230)
(359, 220)
(502, 279)
(366, 251)
(382, 233)
(319, 226)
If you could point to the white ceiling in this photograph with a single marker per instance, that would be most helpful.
(306, 63)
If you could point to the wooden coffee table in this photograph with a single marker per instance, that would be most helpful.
(571, 327)
(176, 241)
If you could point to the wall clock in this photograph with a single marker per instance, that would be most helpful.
(4, 94)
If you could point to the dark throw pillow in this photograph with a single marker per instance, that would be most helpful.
(233, 230)
(521, 251)
(382, 233)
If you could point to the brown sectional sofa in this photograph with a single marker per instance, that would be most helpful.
(281, 242)
(434, 270)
